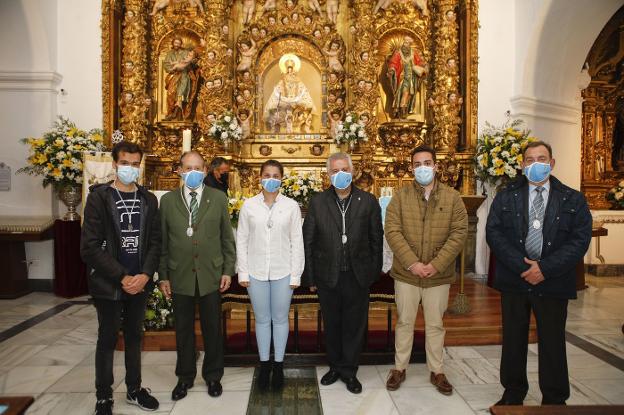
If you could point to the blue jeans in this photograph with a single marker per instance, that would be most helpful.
(271, 303)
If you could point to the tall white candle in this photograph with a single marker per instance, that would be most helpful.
(186, 140)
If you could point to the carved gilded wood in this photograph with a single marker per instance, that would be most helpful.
(179, 64)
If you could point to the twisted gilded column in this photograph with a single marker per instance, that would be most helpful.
(446, 100)
(134, 101)
(214, 101)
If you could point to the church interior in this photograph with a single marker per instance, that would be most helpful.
(247, 81)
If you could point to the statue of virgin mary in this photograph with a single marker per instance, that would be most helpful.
(289, 98)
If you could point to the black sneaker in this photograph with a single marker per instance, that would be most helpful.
(142, 398)
(104, 407)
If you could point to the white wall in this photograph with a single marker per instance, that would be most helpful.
(497, 62)
(80, 62)
(46, 45)
(530, 55)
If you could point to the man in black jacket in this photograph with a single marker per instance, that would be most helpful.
(218, 174)
(120, 244)
(343, 239)
(539, 229)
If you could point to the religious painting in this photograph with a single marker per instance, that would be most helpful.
(294, 103)
(403, 77)
(179, 76)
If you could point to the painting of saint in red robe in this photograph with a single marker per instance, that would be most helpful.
(405, 70)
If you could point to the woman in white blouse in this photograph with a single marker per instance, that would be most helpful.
(269, 248)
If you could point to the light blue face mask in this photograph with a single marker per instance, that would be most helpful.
(537, 172)
(424, 175)
(341, 180)
(193, 179)
(127, 174)
(271, 185)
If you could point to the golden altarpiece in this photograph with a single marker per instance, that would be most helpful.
(603, 114)
(290, 70)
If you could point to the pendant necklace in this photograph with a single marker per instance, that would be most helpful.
(189, 230)
(128, 211)
(344, 214)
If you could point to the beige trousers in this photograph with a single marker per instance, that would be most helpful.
(434, 301)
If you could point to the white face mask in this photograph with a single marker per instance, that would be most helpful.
(424, 175)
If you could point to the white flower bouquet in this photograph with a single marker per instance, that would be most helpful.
(226, 128)
(351, 130)
(616, 196)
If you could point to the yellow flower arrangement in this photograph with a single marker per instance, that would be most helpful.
(57, 156)
(499, 152)
(301, 187)
(235, 204)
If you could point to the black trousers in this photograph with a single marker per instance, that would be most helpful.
(550, 316)
(345, 317)
(109, 315)
(210, 320)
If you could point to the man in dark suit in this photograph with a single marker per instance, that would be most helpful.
(539, 229)
(343, 239)
(218, 174)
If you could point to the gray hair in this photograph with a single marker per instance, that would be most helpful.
(339, 156)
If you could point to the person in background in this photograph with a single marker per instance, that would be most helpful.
(426, 228)
(539, 229)
(218, 174)
(120, 243)
(343, 239)
(196, 265)
(269, 248)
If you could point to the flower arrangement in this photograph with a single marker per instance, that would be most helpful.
(226, 128)
(301, 187)
(159, 311)
(351, 130)
(235, 204)
(616, 196)
(57, 156)
(498, 158)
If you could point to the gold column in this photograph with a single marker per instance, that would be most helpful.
(446, 101)
(134, 101)
(215, 101)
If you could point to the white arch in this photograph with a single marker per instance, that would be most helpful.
(561, 33)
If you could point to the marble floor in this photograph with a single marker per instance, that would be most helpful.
(53, 361)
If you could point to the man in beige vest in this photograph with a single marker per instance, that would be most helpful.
(426, 227)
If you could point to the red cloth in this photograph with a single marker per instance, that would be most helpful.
(396, 63)
(70, 273)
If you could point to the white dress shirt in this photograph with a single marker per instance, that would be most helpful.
(187, 195)
(270, 253)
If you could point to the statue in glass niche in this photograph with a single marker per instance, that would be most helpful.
(290, 98)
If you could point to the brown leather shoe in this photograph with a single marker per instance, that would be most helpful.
(395, 378)
(441, 383)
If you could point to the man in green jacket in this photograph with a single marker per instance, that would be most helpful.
(426, 228)
(196, 265)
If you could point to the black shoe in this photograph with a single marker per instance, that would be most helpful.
(179, 392)
(277, 381)
(330, 377)
(508, 402)
(264, 376)
(104, 407)
(353, 385)
(143, 399)
(214, 388)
